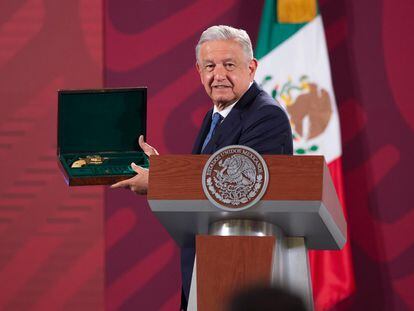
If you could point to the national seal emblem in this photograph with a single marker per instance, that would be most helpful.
(235, 178)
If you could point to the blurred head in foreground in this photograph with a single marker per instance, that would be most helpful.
(265, 299)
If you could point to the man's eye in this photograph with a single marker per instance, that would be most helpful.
(209, 67)
(230, 66)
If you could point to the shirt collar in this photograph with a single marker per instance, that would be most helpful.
(225, 112)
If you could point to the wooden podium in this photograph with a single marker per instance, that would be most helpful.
(266, 243)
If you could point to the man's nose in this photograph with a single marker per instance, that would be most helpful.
(219, 72)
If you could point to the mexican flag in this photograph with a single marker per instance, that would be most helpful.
(294, 69)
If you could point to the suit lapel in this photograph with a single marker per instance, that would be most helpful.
(229, 125)
(248, 97)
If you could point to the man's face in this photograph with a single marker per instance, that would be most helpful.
(225, 71)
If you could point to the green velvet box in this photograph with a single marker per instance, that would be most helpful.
(99, 130)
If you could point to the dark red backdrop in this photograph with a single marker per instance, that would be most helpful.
(51, 237)
(51, 249)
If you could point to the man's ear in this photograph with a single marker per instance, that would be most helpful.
(253, 67)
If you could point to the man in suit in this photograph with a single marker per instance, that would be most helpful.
(242, 113)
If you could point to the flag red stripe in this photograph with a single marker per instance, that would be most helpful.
(332, 276)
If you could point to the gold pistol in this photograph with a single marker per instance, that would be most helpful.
(93, 159)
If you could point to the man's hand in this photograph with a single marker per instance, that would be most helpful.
(138, 183)
(148, 150)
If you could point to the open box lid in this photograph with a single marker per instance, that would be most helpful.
(101, 120)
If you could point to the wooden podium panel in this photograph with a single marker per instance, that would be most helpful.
(178, 177)
(226, 264)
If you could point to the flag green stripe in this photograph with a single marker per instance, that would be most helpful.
(272, 33)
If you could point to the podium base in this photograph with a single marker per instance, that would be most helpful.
(281, 261)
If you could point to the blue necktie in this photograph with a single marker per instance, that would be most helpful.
(214, 122)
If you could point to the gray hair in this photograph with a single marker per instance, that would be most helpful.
(222, 32)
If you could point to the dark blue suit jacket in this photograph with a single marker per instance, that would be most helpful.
(255, 121)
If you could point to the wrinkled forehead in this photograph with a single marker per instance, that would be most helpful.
(222, 50)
